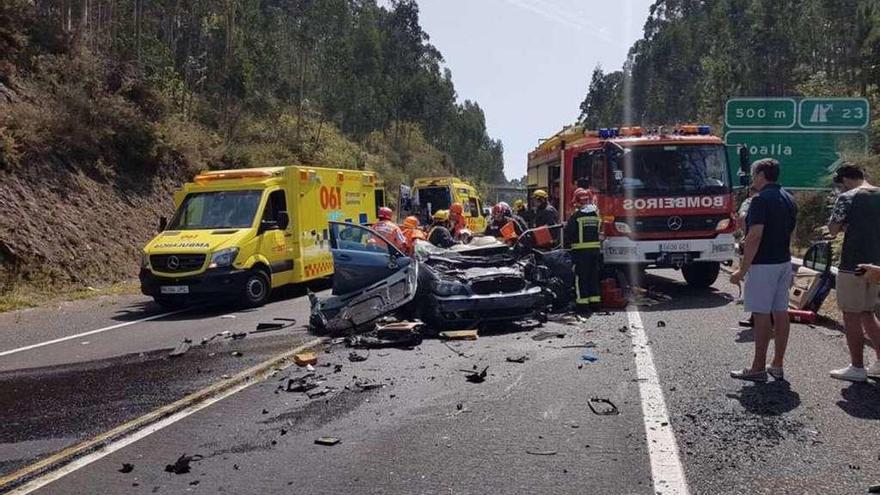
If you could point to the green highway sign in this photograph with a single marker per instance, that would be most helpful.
(807, 156)
(834, 113)
(764, 113)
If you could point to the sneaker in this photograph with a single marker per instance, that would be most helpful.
(749, 375)
(874, 370)
(850, 374)
(747, 323)
(776, 373)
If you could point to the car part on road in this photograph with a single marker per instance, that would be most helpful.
(589, 357)
(520, 359)
(477, 377)
(236, 354)
(459, 335)
(587, 345)
(327, 441)
(305, 358)
(238, 336)
(319, 393)
(181, 466)
(541, 452)
(302, 384)
(181, 349)
(610, 410)
(544, 335)
(365, 385)
(126, 468)
(661, 324)
(355, 357)
(874, 488)
(404, 335)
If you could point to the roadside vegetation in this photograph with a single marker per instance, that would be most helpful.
(107, 105)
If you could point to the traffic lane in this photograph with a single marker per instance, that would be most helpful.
(782, 437)
(45, 410)
(195, 324)
(428, 430)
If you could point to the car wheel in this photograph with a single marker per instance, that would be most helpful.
(256, 289)
(701, 275)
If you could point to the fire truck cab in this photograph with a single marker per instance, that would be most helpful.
(665, 197)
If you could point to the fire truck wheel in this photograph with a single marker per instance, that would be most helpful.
(701, 275)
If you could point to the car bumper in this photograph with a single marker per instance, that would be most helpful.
(211, 283)
(622, 250)
(491, 307)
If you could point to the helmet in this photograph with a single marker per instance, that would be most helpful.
(541, 194)
(505, 208)
(441, 215)
(385, 213)
(519, 204)
(497, 210)
(581, 195)
(456, 208)
(411, 222)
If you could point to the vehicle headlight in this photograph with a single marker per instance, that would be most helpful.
(145, 261)
(223, 258)
(723, 225)
(446, 289)
(622, 227)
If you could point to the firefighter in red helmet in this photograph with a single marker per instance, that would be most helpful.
(582, 238)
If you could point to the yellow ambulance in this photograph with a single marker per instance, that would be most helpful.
(242, 233)
(429, 194)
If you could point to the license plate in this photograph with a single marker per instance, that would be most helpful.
(174, 289)
(675, 247)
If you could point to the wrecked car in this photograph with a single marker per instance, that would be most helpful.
(445, 288)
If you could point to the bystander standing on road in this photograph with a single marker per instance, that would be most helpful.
(857, 214)
(766, 269)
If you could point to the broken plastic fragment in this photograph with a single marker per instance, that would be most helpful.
(611, 410)
(181, 466)
(589, 357)
(541, 452)
(355, 357)
(328, 441)
(520, 359)
(661, 324)
(547, 335)
(477, 377)
(127, 468)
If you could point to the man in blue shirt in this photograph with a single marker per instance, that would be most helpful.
(766, 268)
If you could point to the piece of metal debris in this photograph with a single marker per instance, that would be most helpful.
(238, 336)
(365, 385)
(477, 377)
(459, 335)
(355, 357)
(610, 410)
(269, 326)
(586, 345)
(544, 335)
(519, 359)
(181, 465)
(319, 393)
(236, 354)
(661, 324)
(181, 349)
(126, 468)
(301, 384)
(328, 441)
(541, 452)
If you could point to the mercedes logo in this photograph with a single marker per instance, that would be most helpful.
(675, 223)
(173, 263)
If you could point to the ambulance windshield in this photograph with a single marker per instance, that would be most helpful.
(665, 170)
(217, 210)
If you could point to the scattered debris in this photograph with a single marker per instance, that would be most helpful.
(238, 336)
(265, 411)
(319, 393)
(365, 385)
(586, 345)
(264, 327)
(181, 466)
(611, 410)
(874, 488)
(304, 358)
(291, 320)
(337, 368)
(623, 329)
(459, 335)
(661, 324)
(127, 468)
(181, 349)
(328, 441)
(544, 335)
(589, 357)
(520, 359)
(194, 482)
(541, 452)
(309, 367)
(355, 357)
(301, 384)
(236, 354)
(475, 377)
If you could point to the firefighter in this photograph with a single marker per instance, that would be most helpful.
(520, 209)
(412, 232)
(501, 216)
(545, 213)
(582, 237)
(456, 220)
(439, 235)
(389, 230)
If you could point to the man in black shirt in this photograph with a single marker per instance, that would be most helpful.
(766, 268)
(857, 214)
(545, 213)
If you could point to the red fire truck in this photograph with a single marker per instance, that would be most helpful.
(665, 195)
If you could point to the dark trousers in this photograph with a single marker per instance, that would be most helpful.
(586, 278)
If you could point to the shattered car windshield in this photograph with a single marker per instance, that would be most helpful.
(217, 210)
(658, 170)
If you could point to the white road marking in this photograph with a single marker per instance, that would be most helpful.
(90, 332)
(144, 432)
(666, 469)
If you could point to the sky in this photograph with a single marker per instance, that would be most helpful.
(528, 62)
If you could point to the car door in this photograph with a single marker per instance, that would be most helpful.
(362, 258)
(275, 242)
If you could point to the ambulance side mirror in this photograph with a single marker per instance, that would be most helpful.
(163, 222)
(283, 220)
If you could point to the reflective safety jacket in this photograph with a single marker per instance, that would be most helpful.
(582, 229)
(392, 233)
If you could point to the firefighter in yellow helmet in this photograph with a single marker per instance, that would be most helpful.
(545, 213)
(439, 235)
(523, 211)
(582, 238)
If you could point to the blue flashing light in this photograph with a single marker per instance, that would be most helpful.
(604, 133)
(615, 131)
(705, 130)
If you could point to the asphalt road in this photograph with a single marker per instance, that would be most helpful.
(527, 428)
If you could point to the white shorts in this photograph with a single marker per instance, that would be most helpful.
(767, 288)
